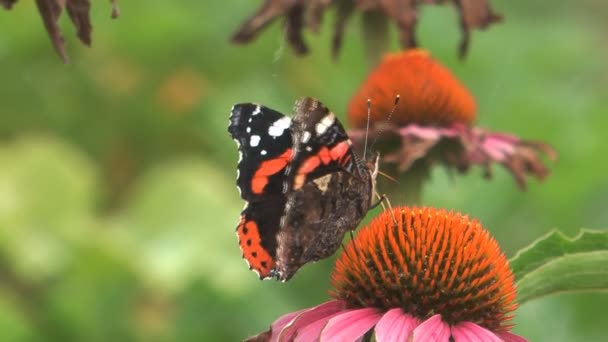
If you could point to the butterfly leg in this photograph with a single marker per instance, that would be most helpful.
(381, 199)
(352, 238)
(386, 205)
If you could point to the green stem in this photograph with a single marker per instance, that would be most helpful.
(375, 36)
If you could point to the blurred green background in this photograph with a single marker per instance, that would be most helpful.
(117, 193)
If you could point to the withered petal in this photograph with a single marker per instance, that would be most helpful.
(405, 15)
(293, 29)
(344, 10)
(269, 10)
(50, 11)
(526, 160)
(315, 16)
(477, 13)
(473, 14)
(78, 11)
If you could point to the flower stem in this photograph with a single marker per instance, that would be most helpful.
(375, 36)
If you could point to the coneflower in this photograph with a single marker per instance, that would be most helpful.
(412, 274)
(434, 122)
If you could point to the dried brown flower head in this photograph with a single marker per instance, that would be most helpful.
(300, 14)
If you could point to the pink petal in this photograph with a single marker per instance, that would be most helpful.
(312, 331)
(427, 133)
(280, 323)
(395, 325)
(471, 332)
(433, 329)
(497, 149)
(350, 325)
(509, 337)
(319, 312)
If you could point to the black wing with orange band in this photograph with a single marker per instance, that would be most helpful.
(264, 140)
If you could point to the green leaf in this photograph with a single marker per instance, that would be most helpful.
(556, 263)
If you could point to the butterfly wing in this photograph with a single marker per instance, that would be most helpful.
(264, 141)
(321, 145)
(328, 190)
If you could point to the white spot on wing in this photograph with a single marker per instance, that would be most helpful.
(254, 141)
(325, 123)
(248, 129)
(263, 152)
(240, 156)
(257, 110)
(279, 126)
(305, 137)
(308, 148)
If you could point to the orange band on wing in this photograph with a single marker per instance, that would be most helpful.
(340, 150)
(258, 258)
(309, 165)
(267, 169)
(324, 156)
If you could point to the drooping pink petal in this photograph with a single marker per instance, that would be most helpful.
(395, 325)
(433, 329)
(471, 332)
(319, 312)
(509, 337)
(350, 325)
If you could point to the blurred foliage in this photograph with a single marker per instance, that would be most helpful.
(117, 198)
(556, 263)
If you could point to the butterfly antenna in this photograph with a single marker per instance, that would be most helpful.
(388, 118)
(369, 114)
(387, 176)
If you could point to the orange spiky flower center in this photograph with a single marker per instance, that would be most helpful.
(428, 262)
(429, 93)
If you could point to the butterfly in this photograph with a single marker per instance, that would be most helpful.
(304, 186)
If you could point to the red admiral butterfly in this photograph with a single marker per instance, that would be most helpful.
(304, 185)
